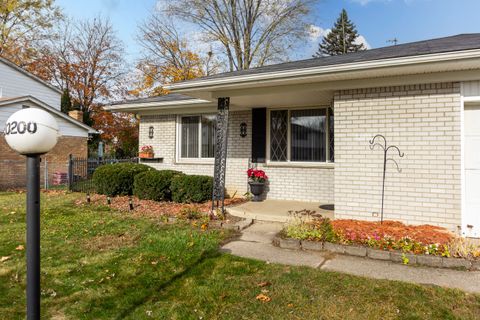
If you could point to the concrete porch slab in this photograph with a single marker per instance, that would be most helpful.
(276, 210)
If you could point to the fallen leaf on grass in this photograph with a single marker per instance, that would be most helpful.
(290, 305)
(264, 284)
(264, 298)
(20, 247)
(3, 259)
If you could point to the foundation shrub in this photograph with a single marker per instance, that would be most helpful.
(191, 188)
(117, 179)
(154, 184)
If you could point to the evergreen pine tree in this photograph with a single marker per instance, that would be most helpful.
(341, 39)
(66, 102)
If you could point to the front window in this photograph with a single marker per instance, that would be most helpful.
(301, 135)
(197, 136)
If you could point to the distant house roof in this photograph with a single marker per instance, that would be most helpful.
(447, 44)
(9, 101)
(28, 74)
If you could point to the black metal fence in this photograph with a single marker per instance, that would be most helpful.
(80, 171)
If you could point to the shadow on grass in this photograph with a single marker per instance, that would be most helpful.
(147, 296)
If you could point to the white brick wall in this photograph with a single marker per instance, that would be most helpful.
(294, 183)
(424, 122)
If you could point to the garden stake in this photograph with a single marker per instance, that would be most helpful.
(130, 203)
(385, 160)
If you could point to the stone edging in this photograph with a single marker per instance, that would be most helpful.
(393, 256)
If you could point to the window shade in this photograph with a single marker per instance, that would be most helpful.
(308, 128)
(190, 138)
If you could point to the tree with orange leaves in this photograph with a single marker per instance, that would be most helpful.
(118, 130)
(24, 25)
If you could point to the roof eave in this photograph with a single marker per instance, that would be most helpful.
(142, 106)
(201, 85)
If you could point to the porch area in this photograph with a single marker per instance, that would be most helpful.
(280, 210)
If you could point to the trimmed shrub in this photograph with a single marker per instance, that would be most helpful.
(191, 188)
(154, 184)
(117, 179)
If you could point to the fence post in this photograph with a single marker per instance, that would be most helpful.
(70, 172)
(45, 172)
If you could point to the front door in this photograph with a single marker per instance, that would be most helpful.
(472, 171)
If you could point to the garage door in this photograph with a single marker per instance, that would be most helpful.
(472, 171)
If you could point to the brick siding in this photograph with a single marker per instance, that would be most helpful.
(424, 122)
(293, 183)
(12, 165)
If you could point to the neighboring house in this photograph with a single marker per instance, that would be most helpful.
(309, 124)
(20, 89)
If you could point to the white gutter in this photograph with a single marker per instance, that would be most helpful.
(161, 105)
(321, 70)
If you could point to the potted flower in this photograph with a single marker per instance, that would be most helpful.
(146, 152)
(256, 180)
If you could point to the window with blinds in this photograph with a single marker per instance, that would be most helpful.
(301, 135)
(197, 136)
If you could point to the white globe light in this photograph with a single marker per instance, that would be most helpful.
(31, 131)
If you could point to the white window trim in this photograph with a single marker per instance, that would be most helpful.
(178, 143)
(304, 164)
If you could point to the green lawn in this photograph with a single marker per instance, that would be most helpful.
(101, 264)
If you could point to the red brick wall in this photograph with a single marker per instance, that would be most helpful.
(12, 165)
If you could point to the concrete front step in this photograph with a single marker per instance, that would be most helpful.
(276, 210)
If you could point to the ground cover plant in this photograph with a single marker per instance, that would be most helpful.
(101, 263)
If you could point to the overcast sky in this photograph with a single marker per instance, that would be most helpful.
(377, 20)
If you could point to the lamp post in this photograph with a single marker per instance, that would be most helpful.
(32, 132)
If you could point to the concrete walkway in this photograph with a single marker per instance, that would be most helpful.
(256, 243)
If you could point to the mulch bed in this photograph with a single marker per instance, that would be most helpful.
(149, 208)
(394, 229)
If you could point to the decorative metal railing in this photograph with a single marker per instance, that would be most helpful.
(221, 143)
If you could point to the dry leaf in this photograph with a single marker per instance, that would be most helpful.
(263, 298)
(20, 247)
(290, 305)
(154, 263)
(3, 259)
(264, 284)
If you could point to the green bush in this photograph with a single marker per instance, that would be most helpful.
(191, 188)
(117, 179)
(154, 185)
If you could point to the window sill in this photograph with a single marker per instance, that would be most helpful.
(323, 165)
(195, 161)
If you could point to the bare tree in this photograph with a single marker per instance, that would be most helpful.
(251, 32)
(167, 57)
(97, 59)
(85, 58)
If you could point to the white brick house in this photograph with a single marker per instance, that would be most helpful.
(308, 125)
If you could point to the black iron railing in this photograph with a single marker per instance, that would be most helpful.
(80, 171)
